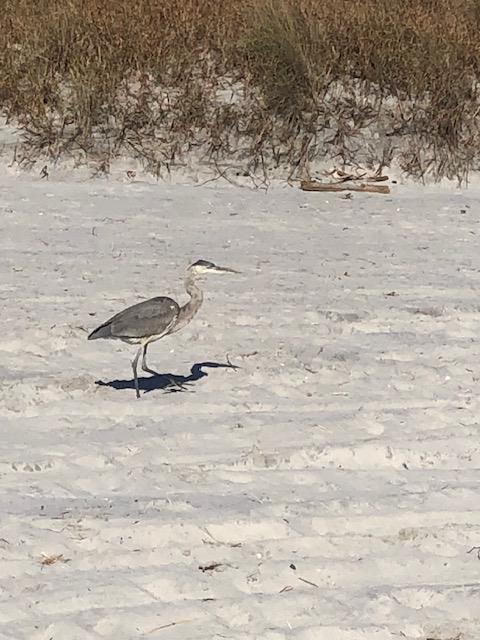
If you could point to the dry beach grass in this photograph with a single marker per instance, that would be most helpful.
(264, 83)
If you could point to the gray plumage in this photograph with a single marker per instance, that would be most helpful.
(143, 319)
(153, 319)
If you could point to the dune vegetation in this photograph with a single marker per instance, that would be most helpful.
(255, 84)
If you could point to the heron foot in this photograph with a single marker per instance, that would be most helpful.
(171, 381)
(151, 371)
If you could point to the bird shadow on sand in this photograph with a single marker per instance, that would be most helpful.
(168, 382)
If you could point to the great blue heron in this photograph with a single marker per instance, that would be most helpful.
(153, 319)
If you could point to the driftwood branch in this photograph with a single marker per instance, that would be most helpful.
(311, 185)
(378, 178)
(343, 176)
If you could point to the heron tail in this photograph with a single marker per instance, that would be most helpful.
(103, 331)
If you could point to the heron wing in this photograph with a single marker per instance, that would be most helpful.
(149, 318)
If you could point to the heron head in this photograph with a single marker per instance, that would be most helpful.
(204, 266)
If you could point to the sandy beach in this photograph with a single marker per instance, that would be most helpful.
(328, 488)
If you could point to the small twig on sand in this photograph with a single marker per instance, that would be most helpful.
(48, 560)
(210, 567)
(232, 366)
(287, 588)
(477, 549)
(334, 186)
(167, 626)
(312, 584)
(221, 173)
(214, 179)
(216, 542)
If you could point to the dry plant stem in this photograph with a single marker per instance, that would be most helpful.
(334, 186)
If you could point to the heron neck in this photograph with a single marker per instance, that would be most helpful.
(192, 306)
(194, 291)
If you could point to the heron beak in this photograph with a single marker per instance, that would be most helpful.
(225, 270)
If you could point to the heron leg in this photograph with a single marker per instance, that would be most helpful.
(172, 382)
(134, 367)
(145, 367)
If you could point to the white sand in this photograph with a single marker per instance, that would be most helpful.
(331, 484)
